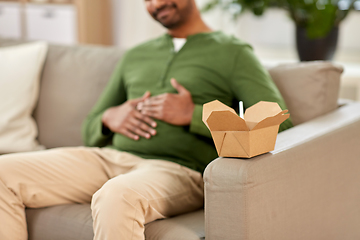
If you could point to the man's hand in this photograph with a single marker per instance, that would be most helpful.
(176, 109)
(126, 120)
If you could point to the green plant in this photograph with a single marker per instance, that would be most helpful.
(317, 16)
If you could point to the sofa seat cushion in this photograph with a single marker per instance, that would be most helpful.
(74, 222)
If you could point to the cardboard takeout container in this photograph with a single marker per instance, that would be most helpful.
(236, 137)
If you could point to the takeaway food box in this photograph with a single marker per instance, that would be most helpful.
(246, 137)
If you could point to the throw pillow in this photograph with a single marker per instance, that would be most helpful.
(20, 70)
(310, 89)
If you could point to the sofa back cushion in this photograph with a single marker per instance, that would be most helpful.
(72, 80)
(310, 89)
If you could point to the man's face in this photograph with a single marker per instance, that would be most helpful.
(170, 13)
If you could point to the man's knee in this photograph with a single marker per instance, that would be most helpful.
(117, 194)
(16, 171)
(10, 180)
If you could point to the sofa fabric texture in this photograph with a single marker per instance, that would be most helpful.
(310, 89)
(73, 79)
(76, 224)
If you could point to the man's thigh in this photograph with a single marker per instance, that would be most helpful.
(50, 177)
(158, 188)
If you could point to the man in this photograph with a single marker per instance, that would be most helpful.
(148, 121)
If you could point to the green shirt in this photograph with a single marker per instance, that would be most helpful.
(210, 65)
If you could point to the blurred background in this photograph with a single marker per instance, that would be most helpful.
(125, 23)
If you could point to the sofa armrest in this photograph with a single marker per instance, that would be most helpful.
(307, 188)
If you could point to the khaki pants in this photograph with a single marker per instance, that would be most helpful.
(125, 191)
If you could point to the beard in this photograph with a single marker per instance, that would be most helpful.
(173, 17)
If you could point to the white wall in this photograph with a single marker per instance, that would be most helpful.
(132, 24)
(350, 32)
(273, 31)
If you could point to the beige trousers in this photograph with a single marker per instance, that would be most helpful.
(125, 191)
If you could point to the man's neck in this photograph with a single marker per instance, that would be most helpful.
(192, 26)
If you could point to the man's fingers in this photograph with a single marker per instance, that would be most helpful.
(129, 134)
(154, 112)
(178, 87)
(144, 118)
(154, 101)
(150, 102)
(135, 128)
(141, 128)
(146, 95)
(140, 106)
(136, 101)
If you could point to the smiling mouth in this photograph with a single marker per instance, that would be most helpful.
(164, 11)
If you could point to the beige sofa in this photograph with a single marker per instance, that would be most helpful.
(307, 188)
